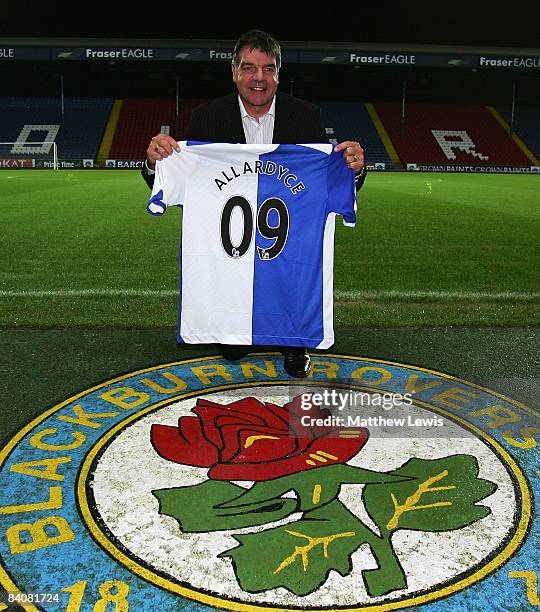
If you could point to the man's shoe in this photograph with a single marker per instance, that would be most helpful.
(233, 352)
(296, 363)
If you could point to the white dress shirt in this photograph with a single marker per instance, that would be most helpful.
(259, 131)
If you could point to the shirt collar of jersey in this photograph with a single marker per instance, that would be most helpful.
(271, 111)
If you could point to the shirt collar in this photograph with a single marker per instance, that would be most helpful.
(244, 113)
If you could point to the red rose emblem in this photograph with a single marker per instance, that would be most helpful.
(252, 440)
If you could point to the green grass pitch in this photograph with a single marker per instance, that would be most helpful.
(80, 250)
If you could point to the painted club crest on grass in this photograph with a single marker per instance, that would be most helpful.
(229, 486)
(267, 443)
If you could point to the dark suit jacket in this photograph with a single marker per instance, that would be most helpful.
(220, 120)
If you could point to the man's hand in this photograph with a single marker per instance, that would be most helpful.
(353, 154)
(160, 146)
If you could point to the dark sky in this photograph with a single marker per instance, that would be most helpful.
(473, 23)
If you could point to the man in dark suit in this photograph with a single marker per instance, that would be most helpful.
(257, 113)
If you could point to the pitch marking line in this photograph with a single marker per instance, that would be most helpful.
(339, 295)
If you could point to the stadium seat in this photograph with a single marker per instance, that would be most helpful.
(526, 124)
(351, 121)
(450, 134)
(140, 119)
(78, 132)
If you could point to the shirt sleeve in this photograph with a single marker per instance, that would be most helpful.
(341, 189)
(169, 182)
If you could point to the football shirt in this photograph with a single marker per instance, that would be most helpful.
(257, 239)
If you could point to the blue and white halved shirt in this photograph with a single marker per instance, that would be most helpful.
(257, 239)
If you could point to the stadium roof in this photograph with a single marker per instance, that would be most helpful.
(460, 22)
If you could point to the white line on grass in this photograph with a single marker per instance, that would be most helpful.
(445, 295)
(339, 295)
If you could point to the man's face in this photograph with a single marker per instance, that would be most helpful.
(256, 78)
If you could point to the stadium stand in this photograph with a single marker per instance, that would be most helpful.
(142, 118)
(78, 133)
(351, 121)
(451, 134)
(526, 124)
(103, 128)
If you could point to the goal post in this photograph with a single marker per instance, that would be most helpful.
(42, 154)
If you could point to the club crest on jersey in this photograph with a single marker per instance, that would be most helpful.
(371, 485)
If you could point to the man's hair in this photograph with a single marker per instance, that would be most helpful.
(257, 39)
